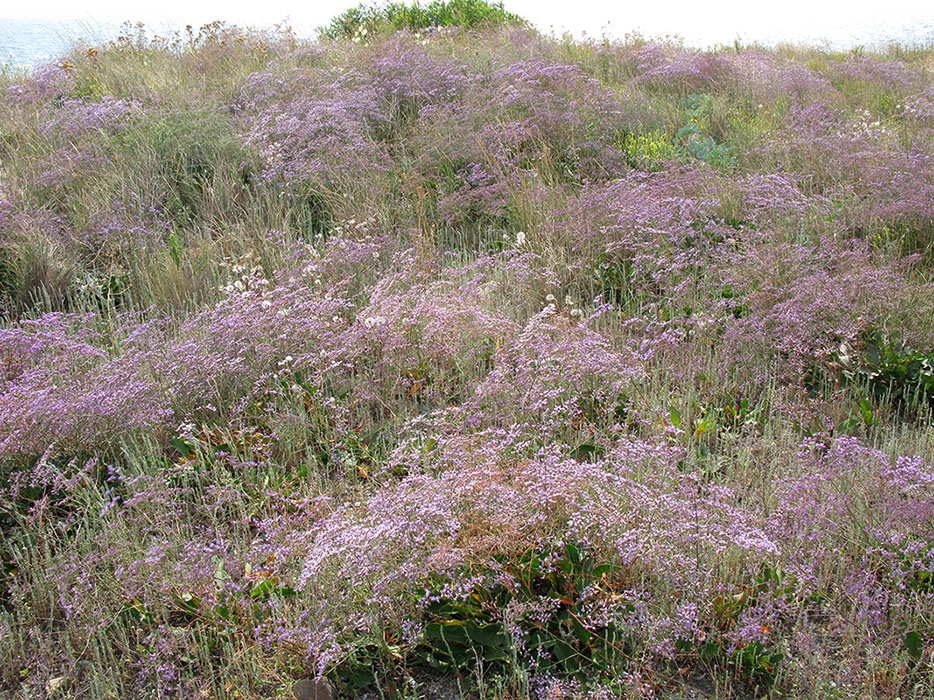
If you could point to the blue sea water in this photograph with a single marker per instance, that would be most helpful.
(26, 43)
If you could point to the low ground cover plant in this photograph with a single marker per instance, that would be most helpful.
(436, 356)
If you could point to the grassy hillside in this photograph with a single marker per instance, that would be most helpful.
(464, 361)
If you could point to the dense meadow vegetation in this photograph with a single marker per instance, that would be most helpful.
(463, 361)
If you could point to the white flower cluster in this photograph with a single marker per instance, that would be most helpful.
(358, 230)
(244, 276)
(865, 125)
(569, 303)
(520, 240)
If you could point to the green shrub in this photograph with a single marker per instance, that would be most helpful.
(892, 370)
(470, 635)
(366, 20)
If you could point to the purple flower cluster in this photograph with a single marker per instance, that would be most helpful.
(306, 346)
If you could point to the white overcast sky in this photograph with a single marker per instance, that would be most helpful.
(699, 22)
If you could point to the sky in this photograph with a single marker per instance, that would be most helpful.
(699, 22)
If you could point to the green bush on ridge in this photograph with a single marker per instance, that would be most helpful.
(370, 19)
